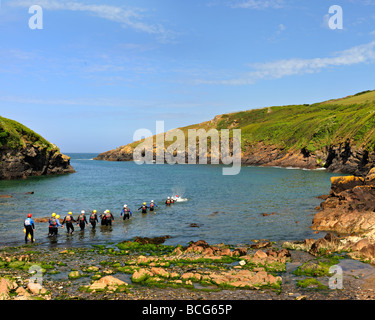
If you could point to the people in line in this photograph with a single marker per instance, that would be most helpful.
(69, 222)
(93, 219)
(82, 221)
(54, 224)
(29, 228)
(144, 207)
(106, 219)
(152, 205)
(168, 202)
(126, 212)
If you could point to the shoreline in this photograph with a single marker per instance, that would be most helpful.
(142, 270)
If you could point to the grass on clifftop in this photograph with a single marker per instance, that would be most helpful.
(312, 127)
(296, 127)
(15, 135)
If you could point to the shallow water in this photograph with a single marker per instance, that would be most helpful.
(225, 208)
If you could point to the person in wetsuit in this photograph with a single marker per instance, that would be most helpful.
(69, 222)
(51, 224)
(103, 218)
(152, 205)
(93, 219)
(126, 213)
(82, 221)
(109, 218)
(168, 201)
(30, 227)
(54, 223)
(144, 208)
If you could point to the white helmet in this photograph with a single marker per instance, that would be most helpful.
(83, 211)
(125, 206)
(169, 197)
(152, 200)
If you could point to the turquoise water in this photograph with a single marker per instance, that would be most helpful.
(227, 209)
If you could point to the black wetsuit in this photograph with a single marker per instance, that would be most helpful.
(126, 213)
(93, 220)
(168, 202)
(108, 219)
(52, 227)
(82, 221)
(144, 209)
(30, 227)
(152, 206)
(104, 219)
(69, 223)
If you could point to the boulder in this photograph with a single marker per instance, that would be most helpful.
(160, 272)
(260, 254)
(329, 243)
(4, 289)
(360, 244)
(339, 184)
(74, 275)
(36, 288)
(141, 275)
(239, 252)
(106, 283)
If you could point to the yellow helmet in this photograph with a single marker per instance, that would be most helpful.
(70, 212)
(144, 203)
(57, 217)
(53, 214)
(94, 211)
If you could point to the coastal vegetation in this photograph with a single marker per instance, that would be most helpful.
(15, 135)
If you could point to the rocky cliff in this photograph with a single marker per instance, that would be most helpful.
(24, 153)
(350, 206)
(337, 135)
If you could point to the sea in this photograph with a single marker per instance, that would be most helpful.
(259, 203)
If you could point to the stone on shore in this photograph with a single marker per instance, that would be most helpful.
(107, 282)
(36, 288)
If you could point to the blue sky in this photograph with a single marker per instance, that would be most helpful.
(99, 70)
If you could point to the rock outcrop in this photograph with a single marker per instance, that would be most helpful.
(31, 160)
(344, 158)
(350, 206)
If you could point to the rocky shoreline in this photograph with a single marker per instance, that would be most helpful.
(32, 161)
(146, 269)
(343, 158)
(262, 270)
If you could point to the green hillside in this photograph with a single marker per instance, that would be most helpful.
(15, 135)
(309, 126)
(295, 127)
(305, 126)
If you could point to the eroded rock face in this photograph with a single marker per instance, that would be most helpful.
(349, 208)
(32, 161)
(343, 158)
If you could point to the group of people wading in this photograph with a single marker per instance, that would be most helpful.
(106, 219)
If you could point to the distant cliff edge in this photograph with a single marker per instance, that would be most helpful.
(24, 153)
(338, 135)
